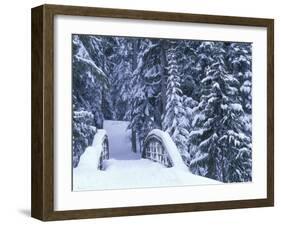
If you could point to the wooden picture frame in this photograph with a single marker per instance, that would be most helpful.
(42, 203)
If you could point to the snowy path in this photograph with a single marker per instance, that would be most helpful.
(126, 169)
(119, 140)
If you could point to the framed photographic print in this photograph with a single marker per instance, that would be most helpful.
(141, 112)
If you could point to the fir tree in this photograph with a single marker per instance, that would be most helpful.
(239, 60)
(174, 120)
(122, 73)
(197, 91)
(224, 151)
(89, 81)
(146, 87)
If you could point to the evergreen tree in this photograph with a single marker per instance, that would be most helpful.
(122, 73)
(197, 91)
(146, 88)
(224, 151)
(89, 80)
(188, 66)
(174, 120)
(239, 60)
(239, 57)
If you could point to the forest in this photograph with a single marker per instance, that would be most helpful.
(198, 91)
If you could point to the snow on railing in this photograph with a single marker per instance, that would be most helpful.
(159, 147)
(93, 157)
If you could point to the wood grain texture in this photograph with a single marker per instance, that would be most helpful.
(43, 106)
(270, 111)
(37, 160)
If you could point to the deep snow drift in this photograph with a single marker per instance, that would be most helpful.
(126, 169)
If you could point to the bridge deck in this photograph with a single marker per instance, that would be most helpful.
(126, 169)
(119, 140)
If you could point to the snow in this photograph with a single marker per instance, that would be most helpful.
(152, 72)
(224, 106)
(92, 63)
(81, 114)
(170, 147)
(89, 161)
(205, 83)
(197, 117)
(143, 173)
(196, 132)
(84, 56)
(236, 107)
(216, 85)
(206, 79)
(245, 89)
(199, 158)
(125, 169)
(119, 138)
(212, 100)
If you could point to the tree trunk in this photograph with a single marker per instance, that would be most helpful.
(163, 73)
(135, 54)
(134, 66)
(134, 141)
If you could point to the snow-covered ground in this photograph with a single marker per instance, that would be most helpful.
(126, 169)
(119, 138)
(89, 161)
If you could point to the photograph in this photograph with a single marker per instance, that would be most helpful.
(155, 112)
(138, 112)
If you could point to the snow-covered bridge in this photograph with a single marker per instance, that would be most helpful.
(110, 164)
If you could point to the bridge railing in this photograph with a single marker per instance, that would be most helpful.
(104, 153)
(159, 147)
(94, 155)
(155, 151)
